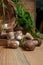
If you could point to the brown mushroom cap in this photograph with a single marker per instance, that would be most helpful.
(37, 42)
(19, 28)
(12, 44)
(28, 45)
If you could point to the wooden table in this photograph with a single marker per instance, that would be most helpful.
(12, 57)
(21, 57)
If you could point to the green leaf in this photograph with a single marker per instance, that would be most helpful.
(24, 18)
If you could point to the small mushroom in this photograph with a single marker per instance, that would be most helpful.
(37, 42)
(19, 35)
(13, 44)
(11, 35)
(28, 45)
(28, 36)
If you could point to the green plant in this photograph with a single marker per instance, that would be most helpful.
(3, 7)
(15, 1)
(24, 18)
(26, 22)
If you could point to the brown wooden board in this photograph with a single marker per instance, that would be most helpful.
(12, 57)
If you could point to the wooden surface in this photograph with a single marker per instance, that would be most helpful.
(35, 57)
(21, 57)
(12, 57)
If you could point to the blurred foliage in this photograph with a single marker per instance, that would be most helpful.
(35, 35)
(15, 1)
(24, 18)
(3, 7)
(41, 8)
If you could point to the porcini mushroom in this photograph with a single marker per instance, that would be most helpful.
(19, 35)
(11, 35)
(28, 45)
(13, 44)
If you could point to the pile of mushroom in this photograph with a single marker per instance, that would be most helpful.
(17, 38)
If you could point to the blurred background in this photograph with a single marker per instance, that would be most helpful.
(39, 15)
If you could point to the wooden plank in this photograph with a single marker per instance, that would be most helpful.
(12, 57)
(35, 57)
(22, 57)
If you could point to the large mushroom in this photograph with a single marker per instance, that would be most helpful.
(12, 44)
(28, 45)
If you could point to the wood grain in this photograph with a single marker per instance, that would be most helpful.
(12, 57)
(20, 57)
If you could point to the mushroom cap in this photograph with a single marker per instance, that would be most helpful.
(37, 42)
(19, 35)
(29, 45)
(13, 44)
(19, 29)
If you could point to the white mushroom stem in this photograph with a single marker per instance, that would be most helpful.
(11, 35)
(19, 32)
(17, 42)
(19, 37)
